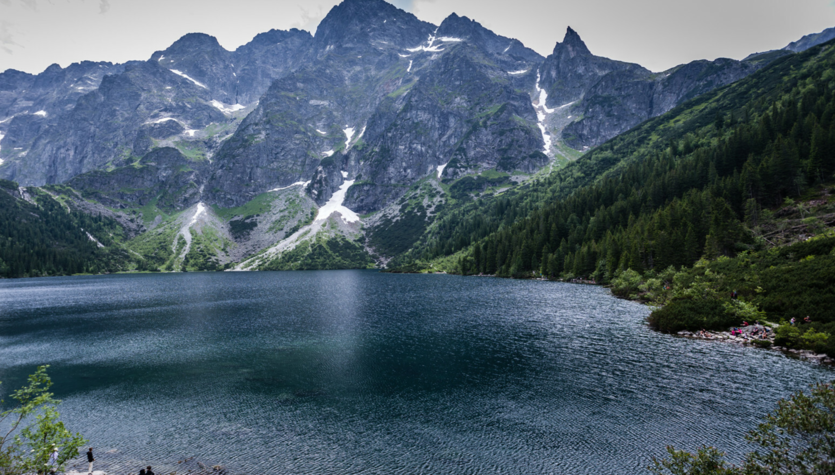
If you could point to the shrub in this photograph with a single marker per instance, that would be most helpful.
(693, 315)
(626, 283)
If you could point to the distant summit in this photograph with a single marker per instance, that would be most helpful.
(811, 40)
(573, 43)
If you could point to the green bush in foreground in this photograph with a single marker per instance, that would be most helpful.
(35, 431)
(796, 438)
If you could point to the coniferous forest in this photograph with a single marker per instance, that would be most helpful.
(689, 184)
(717, 196)
(39, 237)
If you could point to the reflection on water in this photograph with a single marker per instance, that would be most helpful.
(361, 372)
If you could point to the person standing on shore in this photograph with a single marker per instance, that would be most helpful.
(149, 471)
(53, 457)
(90, 460)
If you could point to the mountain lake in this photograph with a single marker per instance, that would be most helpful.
(360, 372)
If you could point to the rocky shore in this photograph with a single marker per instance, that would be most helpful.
(750, 336)
(111, 465)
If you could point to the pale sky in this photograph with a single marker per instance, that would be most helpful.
(657, 34)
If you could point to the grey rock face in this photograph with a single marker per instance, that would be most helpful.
(327, 178)
(463, 113)
(53, 91)
(164, 175)
(809, 41)
(369, 23)
(508, 52)
(308, 115)
(571, 70)
(240, 76)
(611, 97)
(105, 123)
(194, 82)
(30, 104)
(268, 56)
(623, 99)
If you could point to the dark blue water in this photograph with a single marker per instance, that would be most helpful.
(353, 372)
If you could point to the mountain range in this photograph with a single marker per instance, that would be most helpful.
(333, 150)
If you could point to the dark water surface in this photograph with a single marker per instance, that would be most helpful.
(352, 372)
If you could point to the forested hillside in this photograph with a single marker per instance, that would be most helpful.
(697, 181)
(40, 236)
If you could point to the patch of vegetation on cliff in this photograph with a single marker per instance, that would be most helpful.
(155, 246)
(258, 205)
(322, 253)
(205, 247)
(394, 236)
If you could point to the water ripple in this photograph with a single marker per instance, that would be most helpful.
(364, 373)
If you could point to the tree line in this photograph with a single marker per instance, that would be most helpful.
(697, 196)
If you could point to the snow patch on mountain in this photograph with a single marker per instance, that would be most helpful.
(302, 183)
(335, 205)
(185, 232)
(542, 113)
(165, 119)
(429, 47)
(349, 133)
(440, 169)
(227, 109)
(184, 75)
(201, 208)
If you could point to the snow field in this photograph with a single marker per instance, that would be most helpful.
(335, 204)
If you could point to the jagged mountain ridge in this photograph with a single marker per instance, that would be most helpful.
(611, 96)
(193, 82)
(376, 103)
(199, 59)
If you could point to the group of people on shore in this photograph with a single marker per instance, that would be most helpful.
(756, 331)
(759, 332)
(53, 461)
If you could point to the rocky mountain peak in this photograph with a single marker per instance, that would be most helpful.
(573, 44)
(359, 22)
(274, 37)
(193, 42)
(809, 41)
(53, 68)
(462, 27)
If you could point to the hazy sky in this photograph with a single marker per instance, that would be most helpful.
(657, 34)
